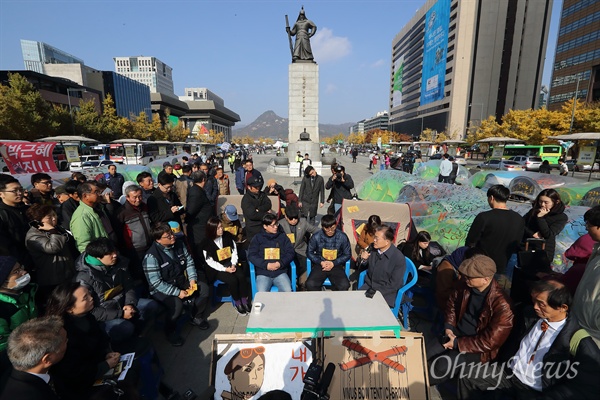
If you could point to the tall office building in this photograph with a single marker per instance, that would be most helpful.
(460, 61)
(576, 70)
(147, 70)
(36, 54)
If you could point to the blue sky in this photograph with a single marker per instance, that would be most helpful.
(237, 49)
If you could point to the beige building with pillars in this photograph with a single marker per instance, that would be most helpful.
(494, 62)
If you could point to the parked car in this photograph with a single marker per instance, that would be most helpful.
(501, 165)
(528, 162)
(460, 160)
(436, 156)
(77, 165)
(572, 165)
(95, 164)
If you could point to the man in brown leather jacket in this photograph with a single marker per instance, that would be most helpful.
(478, 320)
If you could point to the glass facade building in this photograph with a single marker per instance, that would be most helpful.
(36, 54)
(130, 97)
(576, 69)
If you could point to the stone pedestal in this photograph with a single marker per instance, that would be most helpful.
(304, 109)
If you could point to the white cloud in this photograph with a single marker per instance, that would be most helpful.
(378, 63)
(330, 88)
(327, 47)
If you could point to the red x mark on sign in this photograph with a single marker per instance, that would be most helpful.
(371, 356)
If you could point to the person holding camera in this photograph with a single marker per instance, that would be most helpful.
(341, 185)
(385, 265)
(478, 320)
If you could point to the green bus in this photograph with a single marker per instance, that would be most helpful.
(546, 152)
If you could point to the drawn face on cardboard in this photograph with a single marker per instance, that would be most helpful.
(246, 372)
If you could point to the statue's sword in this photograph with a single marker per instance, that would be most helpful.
(287, 25)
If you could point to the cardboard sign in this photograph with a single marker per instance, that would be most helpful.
(272, 253)
(249, 370)
(329, 255)
(224, 253)
(368, 365)
(292, 237)
(378, 368)
(26, 157)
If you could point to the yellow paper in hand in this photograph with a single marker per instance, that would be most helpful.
(112, 293)
(353, 209)
(360, 229)
(272, 253)
(329, 255)
(224, 253)
(231, 229)
(192, 289)
(292, 237)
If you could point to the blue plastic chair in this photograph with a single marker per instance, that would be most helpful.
(217, 297)
(327, 281)
(273, 288)
(410, 273)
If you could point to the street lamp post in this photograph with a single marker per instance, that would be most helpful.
(69, 90)
(575, 105)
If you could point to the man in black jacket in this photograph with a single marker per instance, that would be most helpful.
(212, 186)
(198, 212)
(115, 301)
(13, 222)
(67, 208)
(114, 181)
(340, 184)
(312, 194)
(385, 266)
(144, 179)
(255, 204)
(34, 347)
(164, 205)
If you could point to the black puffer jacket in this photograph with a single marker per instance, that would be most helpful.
(549, 226)
(53, 253)
(13, 230)
(111, 288)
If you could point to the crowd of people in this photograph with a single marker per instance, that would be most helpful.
(93, 266)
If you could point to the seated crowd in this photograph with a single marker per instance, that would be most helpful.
(86, 276)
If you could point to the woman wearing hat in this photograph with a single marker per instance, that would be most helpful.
(17, 296)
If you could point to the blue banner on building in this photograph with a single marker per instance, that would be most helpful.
(435, 49)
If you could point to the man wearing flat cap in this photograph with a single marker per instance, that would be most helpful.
(478, 320)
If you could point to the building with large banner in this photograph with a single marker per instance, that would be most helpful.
(458, 62)
(576, 69)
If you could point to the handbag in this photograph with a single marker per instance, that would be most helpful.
(530, 261)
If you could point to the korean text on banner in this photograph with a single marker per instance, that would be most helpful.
(27, 157)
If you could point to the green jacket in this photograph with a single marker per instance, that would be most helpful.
(16, 311)
(86, 226)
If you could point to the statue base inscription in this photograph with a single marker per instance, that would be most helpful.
(304, 106)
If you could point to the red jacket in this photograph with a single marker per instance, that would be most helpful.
(580, 253)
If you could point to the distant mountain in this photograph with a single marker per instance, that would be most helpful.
(271, 125)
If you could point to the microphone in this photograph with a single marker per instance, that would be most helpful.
(326, 381)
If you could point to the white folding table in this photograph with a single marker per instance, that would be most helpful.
(326, 311)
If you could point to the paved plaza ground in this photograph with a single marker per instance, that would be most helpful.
(189, 366)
